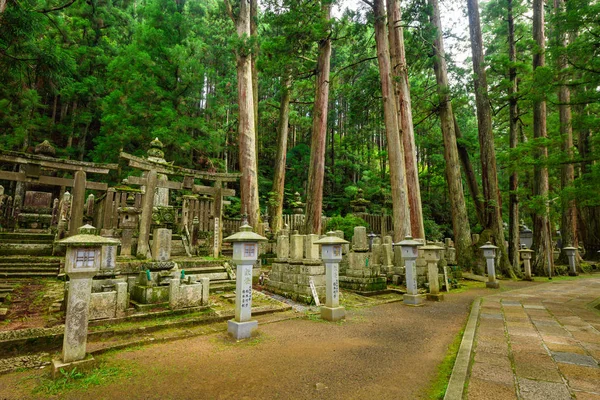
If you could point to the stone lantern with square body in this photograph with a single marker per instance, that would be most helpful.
(331, 253)
(526, 255)
(489, 252)
(245, 254)
(410, 252)
(82, 262)
(570, 252)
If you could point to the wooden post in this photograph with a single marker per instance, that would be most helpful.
(143, 248)
(218, 214)
(77, 202)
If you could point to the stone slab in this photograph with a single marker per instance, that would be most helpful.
(84, 365)
(241, 330)
(333, 313)
(413, 300)
(540, 390)
(574, 358)
(435, 296)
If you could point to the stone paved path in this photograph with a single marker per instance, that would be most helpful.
(541, 342)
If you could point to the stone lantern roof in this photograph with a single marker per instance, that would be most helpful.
(331, 238)
(245, 235)
(87, 237)
(45, 149)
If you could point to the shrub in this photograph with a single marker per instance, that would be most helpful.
(346, 224)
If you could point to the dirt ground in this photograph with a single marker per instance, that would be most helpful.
(389, 351)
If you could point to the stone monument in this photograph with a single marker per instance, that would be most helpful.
(571, 251)
(489, 252)
(432, 254)
(526, 255)
(410, 252)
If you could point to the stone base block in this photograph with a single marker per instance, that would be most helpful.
(84, 365)
(492, 285)
(571, 273)
(241, 330)
(435, 296)
(413, 299)
(333, 313)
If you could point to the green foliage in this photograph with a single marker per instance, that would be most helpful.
(75, 380)
(346, 224)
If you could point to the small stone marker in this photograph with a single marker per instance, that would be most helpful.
(489, 252)
(410, 252)
(245, 254)
(446, 279)
(82, 262)
(161, 244)
(331, 253)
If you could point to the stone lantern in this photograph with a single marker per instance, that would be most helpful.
(489, 252)
(410, 252)
(570, 252)
(83, 259)
(331, 253)
(432, 254)
(526, 255)
(245, 254)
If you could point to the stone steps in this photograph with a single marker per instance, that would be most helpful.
(221, 285)
(29, 267)
(26, 249)
(29, 274)
(47, 237)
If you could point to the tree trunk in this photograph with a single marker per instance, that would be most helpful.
(460, 220)
(489, 173)
(542, 238)
(404, 112)
(469, 171)
(316, 171)
(513, 111)
(400, 206)
(568, 223)
(276, 208)
(253, 33)
(246, 128)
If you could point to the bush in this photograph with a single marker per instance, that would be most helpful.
(346, 224)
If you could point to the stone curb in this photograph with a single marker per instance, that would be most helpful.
(458, 378)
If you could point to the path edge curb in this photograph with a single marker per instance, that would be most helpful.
(456, 385)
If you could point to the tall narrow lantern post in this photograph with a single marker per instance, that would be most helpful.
(331, 253)
(81, 264)
(245, 254)
(410, 252)
(526, 257)
(570, 251)
(489, 252)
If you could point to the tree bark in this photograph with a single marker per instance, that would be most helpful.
(316, 172)
(246, 128)
(542, 238)
(404, 111)
(568, 225)
(400, 205)
(469, 171)
(460, 220)
(253, 33)
(276, 208)
(489, 173)
(513, 111)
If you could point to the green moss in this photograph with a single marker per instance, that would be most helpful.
(437, 389)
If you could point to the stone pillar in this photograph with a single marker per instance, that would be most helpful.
(108, 260)
(205, 282)
(311, 250)
(77, 202)
(296, 247)
(122, 302)
(174, 292)
(76, 321)
(526, 255)
(359, 240)
(218, 214)
(161, 244)
(161, 195)
(126, 241)
(345, 246)
(143, 249)
(432, 255)
(283, 247)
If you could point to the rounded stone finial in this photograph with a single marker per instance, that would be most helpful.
(157, 144)
(45, 149)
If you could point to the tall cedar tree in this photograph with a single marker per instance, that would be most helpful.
(489, 173)
(405, 119)
(460, 219)
(246, 128)
(316, 171)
